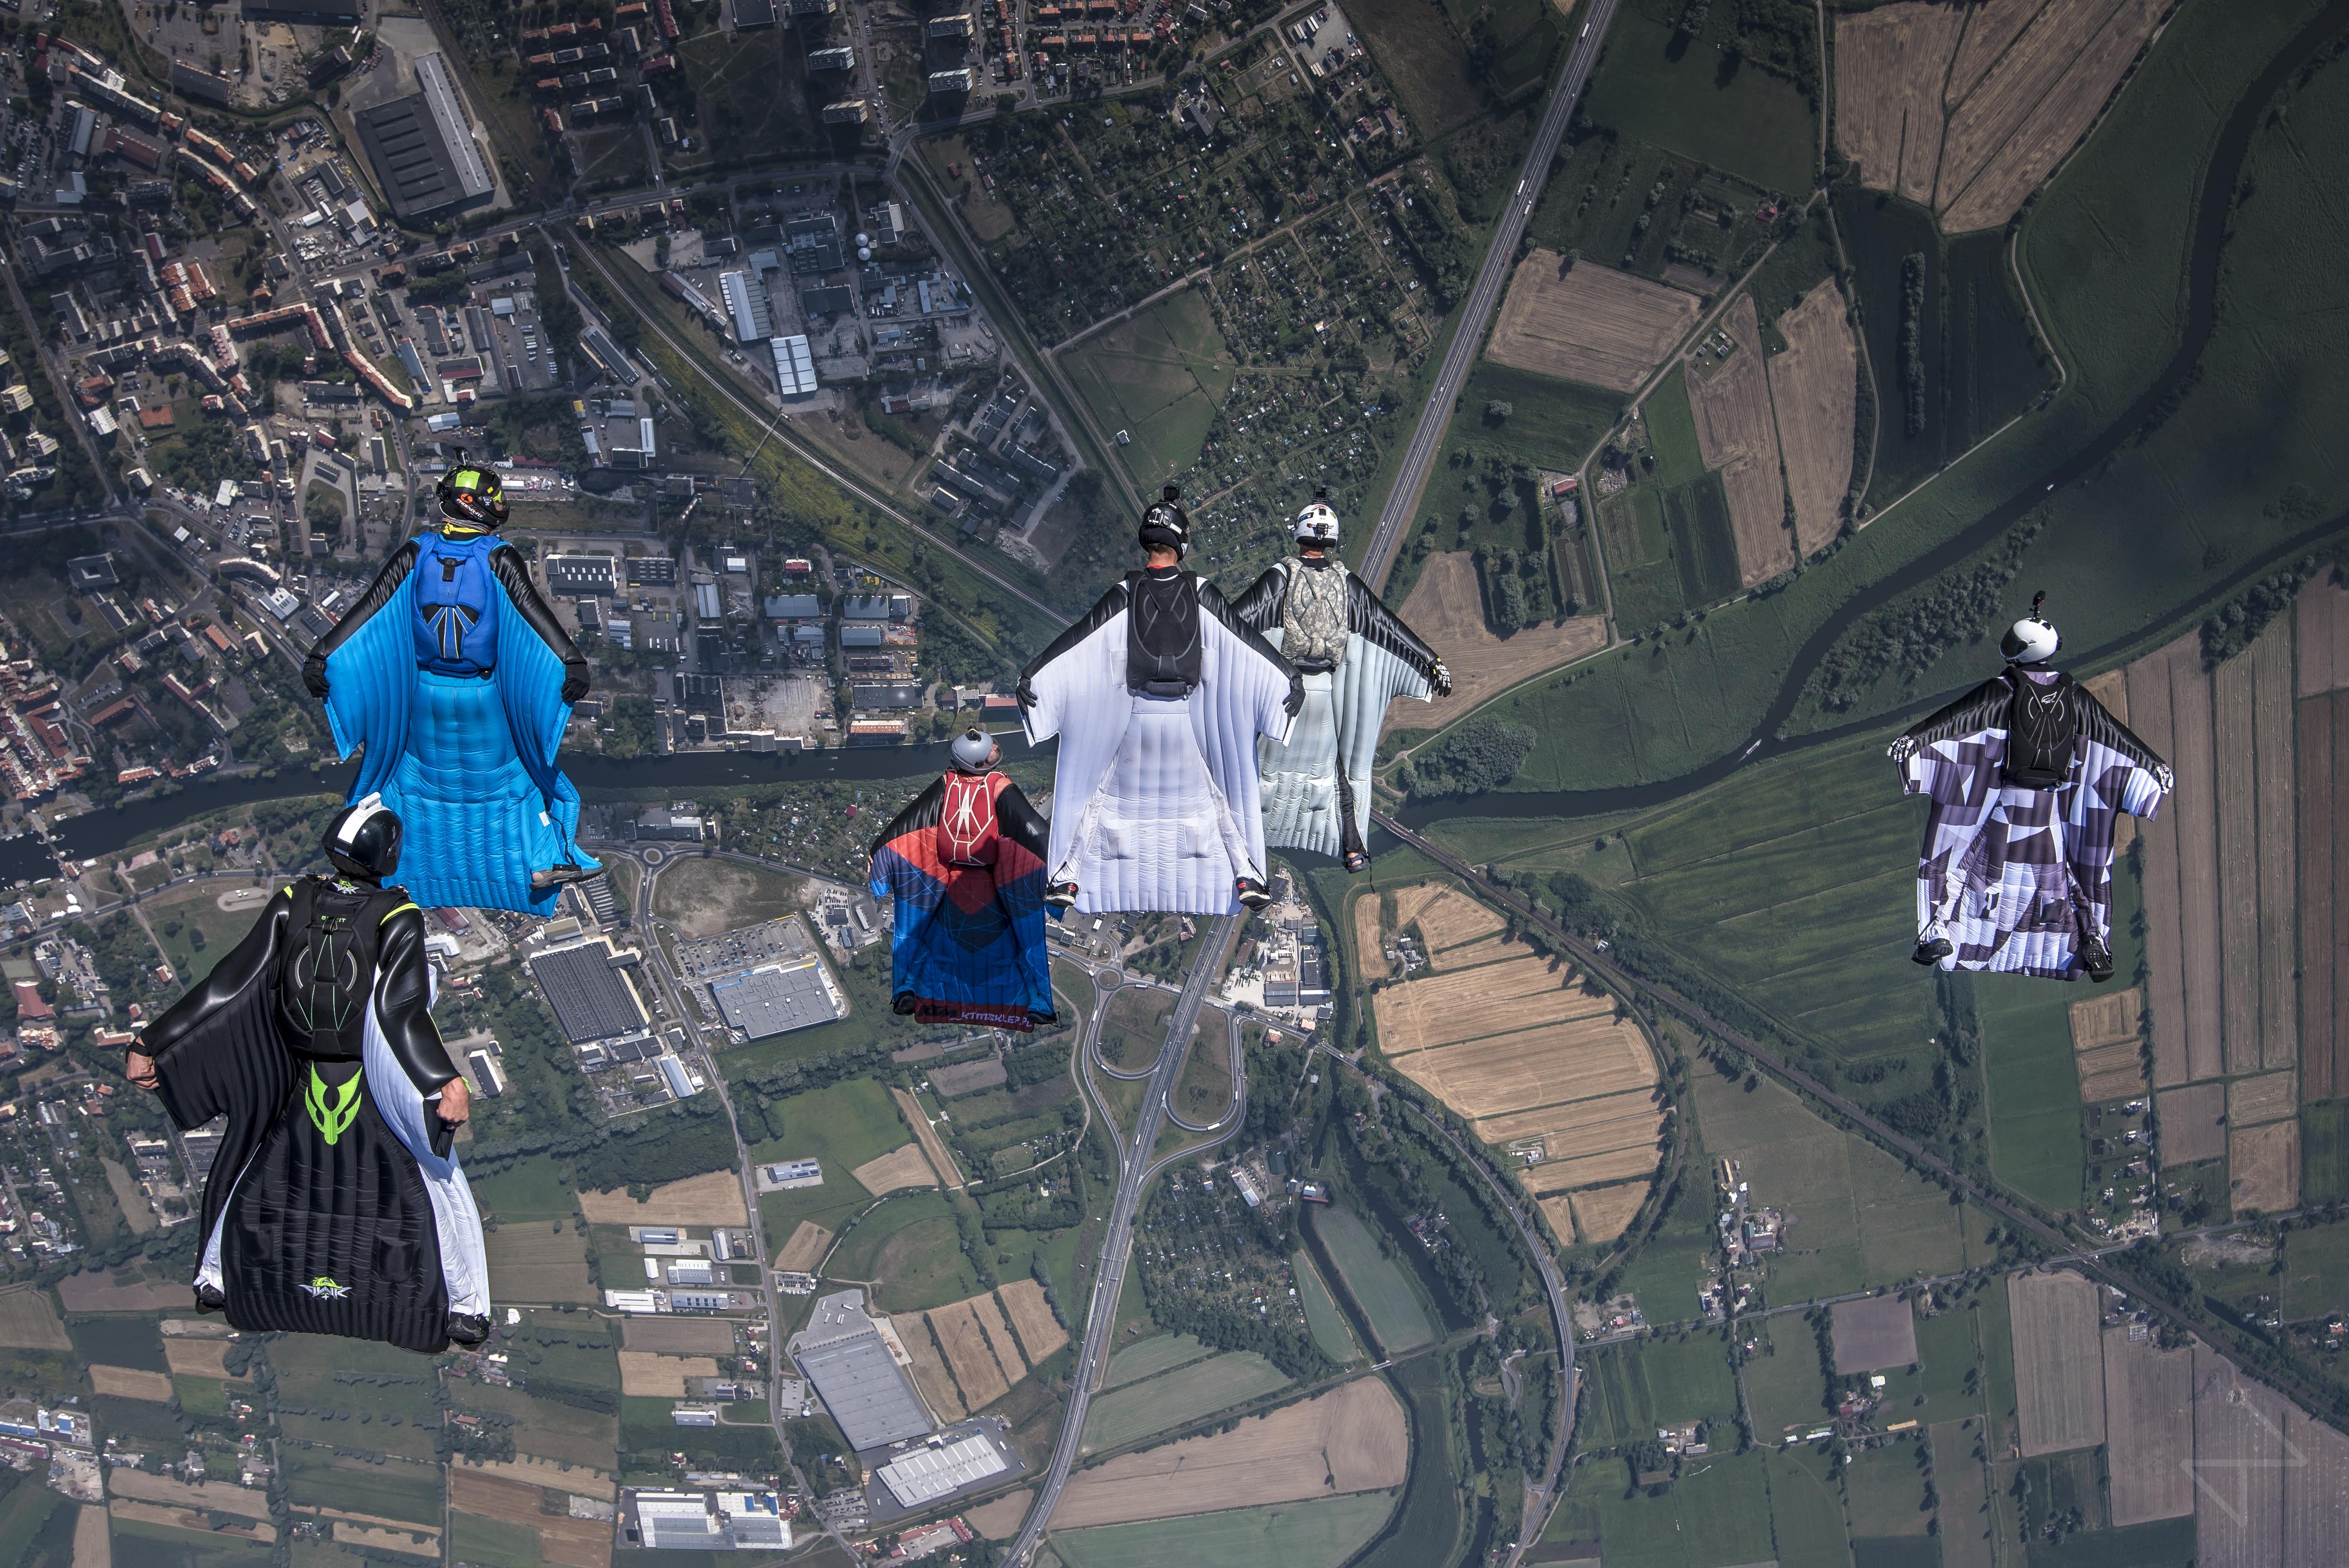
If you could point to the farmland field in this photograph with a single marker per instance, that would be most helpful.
(1635, 1388)
(2264, 1166)
(1322, 1533)
(2058, 1361)
(1446, 607)
(1411, 39)
(1148, 1358)
(1751, 124)
(1589, 1056)
(1783, 1389)
(2269, 1096)
(2193, 1123)
(1814, 390)
(29, 1322)
(1886, 1491)
(2238, 1466)
(2150, 1423)
(2323, 725)
(910, 1244)
(539, 1263)
(1738, 435)
(892, 1172)
(1154, 1404)
(562, 1539)
(841, 1128)
(388, 1491)
(1350, 1440)
(1718, 1511)
(2033, 1088)
(1587, 323)
(1889, 66)
(672, 1336)
(1874, 1333)
(1031, 1318)
(550, 1430)
(715, 1199)
(969, 1353)
(1380, 1284)
(1161, 375)
(1321, 1314)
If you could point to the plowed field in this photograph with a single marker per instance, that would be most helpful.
(2058, 1362)
(2271, 1097)
(712, 1199)
(1601, 1213)
(1814, 393)
(1039, 1332)
(1889, 64)
(1737, 433)
(562, 1539)
(2149, 1421)
(2264, 1166)
(1590, 324)
(1446, 607)
(898, 1168)
(1579, 1059)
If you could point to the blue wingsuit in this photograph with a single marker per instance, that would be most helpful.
(458, 680)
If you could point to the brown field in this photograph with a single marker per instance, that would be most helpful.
(998, 1519)
(200, 1359)
(28, 1321)
(1370, 943)
(390, 1538)
(712, 1199)
(1813, 388)
(2058, 1364)
(188, 1518)
(2264, 1166)
(1603, 1214)
(1352, 1439)
(2106, 1020)
(129, 1383)
(898, 1168)
(1888, 67)
(219, 1497)
(2239, 1465)
(1591, 323)
(805, 1249)
(2315, 1491)
(94, 1290)
(1737, 434)
(2007, 134)
(930, 1375)
(2148, 1414)
(655, 1377)
(1446, 607)
(1639, 1131)
(2111, 688)
(2147, 685)
(584, 1480)
(2271, 738)
(961, 1336)
(1608, 1122)
(2271, 1097)
(1468, 1003)
(1994, 27)
(969, 1077)
(1450, 919)
(1553, 1176)
(2238, 866)
(2323, 654)
(932, 1145)
(2193, 1123)
(91, 1546)
(2323, 892)
(562, 1539)
(534, 1261)
(1873, 1334)
(990, 1313)
(1039, 1332)
(2195, 864)
(1559, 1210)
(680, 1335)
(1574, 1060)
(2110, 1073)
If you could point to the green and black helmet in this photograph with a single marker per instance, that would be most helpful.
(472, 494)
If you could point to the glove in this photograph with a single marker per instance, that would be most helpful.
(2165, 778)
(314, 676)
(1024, 693)
(1294, 702)
(1902, 750)
(574, 684)
(1440, 679)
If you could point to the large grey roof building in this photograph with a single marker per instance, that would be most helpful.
(422, 148)
(842, 1353)
(591, 999)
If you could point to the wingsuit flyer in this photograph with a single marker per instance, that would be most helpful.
(453, 674)
(334, 1205)
(963, 866)
(1158, 695)
(2024, 776)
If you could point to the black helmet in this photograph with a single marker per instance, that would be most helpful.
(472, 494)
(1167, 526)
(363, 840)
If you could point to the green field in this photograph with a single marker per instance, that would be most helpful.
(1380, 1285)
(2325, 1152)
(1322, 1314)
(550, 1429)
(1162, 376)
(1671, 425)
(1886, 1490)
(840, 1126)
(1750, 124)
(1148, 1358)
(491, 1542)
(1156, 1404)
(1631, 1390)
(389, 1491)
(2316, 1271)
(1133, 1029)
(1322, 1533)
(2033, 1097)
(1805, 1510)
(528, 1190)
(1718, 1511)
(2168, 1544)
(911, 1246)
(1785, 1390)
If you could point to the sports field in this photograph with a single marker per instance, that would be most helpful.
(1378, 1284)
(1170, 1399)
(1587, 323)
(1160, 375)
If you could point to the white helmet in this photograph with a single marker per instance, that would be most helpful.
(1317, 524)
(972, 749)
(2034, 639)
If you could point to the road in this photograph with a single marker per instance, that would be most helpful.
(1134, 1170)
(1468, 337)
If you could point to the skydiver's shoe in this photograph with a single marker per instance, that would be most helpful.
(1062, 895)
(1253, 894)
(210, 1298)
(466, 1328)
(903, 1004)
(555, 876)
(1933, 952)
(1355, 861)
(2096, 958)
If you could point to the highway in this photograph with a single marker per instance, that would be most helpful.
(1468, 338)
(1135, 1172)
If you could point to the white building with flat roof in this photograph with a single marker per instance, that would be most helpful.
(794, 366)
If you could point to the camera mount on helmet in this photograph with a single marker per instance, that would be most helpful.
(1167, 526)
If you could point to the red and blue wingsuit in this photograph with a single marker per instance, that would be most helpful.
(964, 864)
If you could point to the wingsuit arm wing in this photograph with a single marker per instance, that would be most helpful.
(507, 563)
(1212, 602)
(217, 1050)
(920, 812)
(379, 593)
(1367, 615)
(1259, 607)
(1021, 823)
(1985, 707)
(1104, 610)
(403, 1002)
(245, 964)
(2097, 724)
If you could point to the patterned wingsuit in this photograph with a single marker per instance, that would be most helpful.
(2016, 870)
(964, 864)
(329, 1210)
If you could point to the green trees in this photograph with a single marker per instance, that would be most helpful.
(1912, 340)
(1483, 754)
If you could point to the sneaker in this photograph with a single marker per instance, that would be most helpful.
(1062, 895)
(466, 1328)
(1355, 861)
(2096, 958)
(210, 1298)
(555, 876)
(1933, 951)
(1253, 894)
